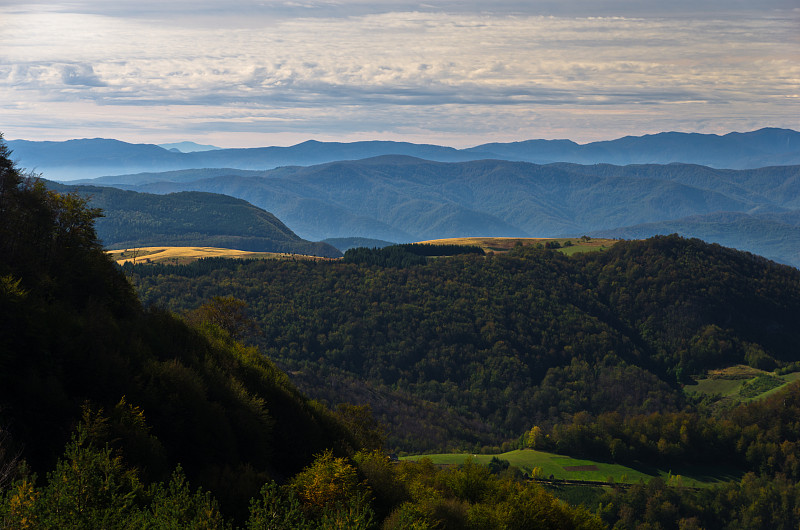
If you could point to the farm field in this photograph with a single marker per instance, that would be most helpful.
(504, 244)
(741, 383)
(567, 468)
(183, 255)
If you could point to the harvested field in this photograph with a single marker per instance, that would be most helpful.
(183, 255)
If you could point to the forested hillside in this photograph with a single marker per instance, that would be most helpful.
(507, 341)
(77, 343)
(774, 235)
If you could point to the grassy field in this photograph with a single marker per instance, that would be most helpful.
(565, 467)
(740, 383)
(504, 244)
(183, 255)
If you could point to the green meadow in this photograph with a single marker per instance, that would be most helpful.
(567, 468)
(740, 383)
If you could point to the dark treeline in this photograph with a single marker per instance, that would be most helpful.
(405, 255)
(194, 269)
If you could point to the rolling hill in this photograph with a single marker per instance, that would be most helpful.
(134, 219)
(765, 147)
(770, 235)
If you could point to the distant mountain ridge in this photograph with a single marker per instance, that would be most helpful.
(89, 158)
(188, 147)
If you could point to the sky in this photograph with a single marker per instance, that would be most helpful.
(259, 73)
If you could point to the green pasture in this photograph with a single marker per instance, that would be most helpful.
(740, 386)
(581, 246)
(567, 245)
(565, 467)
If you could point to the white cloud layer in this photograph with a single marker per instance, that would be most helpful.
(451, 73)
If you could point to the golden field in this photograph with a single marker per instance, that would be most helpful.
(183, 255)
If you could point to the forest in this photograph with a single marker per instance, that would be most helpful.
(472, 350)
(185, 405)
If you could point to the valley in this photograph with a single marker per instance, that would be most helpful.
(613, 372)
(399, 265)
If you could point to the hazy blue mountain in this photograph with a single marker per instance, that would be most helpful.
(180, 175)
(133, 219)
(89, 158)
(401, 199)
(764, 147)
(188, 147)
(86, 158)
(346, 243)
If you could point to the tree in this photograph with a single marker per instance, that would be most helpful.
(90, 488)
(227, 313)
(277, 508)
(534, 438)
(330, 491)
(368, 433)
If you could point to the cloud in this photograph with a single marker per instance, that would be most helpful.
(80, 74)
(193, 9)
(449, 68)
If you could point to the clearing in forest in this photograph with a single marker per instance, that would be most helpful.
(568, 245)
(543, 465)
(740, 383)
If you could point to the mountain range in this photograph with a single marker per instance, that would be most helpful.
(90, 158)
(403, 199)
(411, 192)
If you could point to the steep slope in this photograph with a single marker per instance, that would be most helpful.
(132, 219)
(75, 340)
